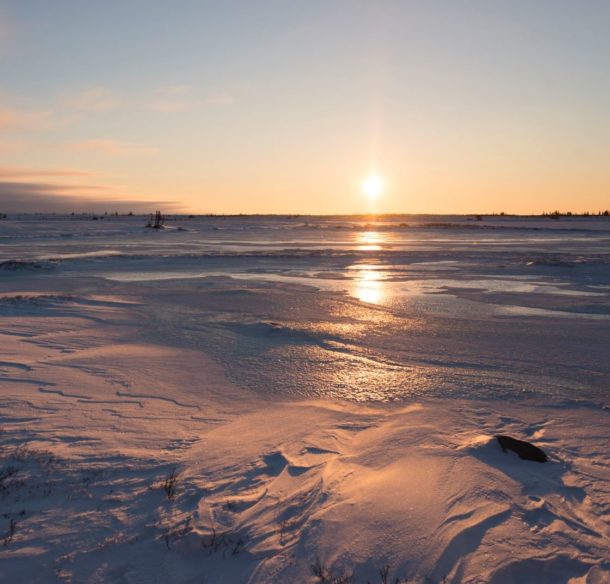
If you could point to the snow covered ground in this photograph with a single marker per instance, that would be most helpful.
(304, 400)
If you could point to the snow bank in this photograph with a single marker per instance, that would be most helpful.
(98, 417)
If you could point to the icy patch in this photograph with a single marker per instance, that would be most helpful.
(526, 311)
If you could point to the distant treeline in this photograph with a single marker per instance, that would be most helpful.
(478, 216)
(558, 214)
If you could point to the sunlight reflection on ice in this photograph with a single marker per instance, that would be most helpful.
(369, 241)
(368, 283)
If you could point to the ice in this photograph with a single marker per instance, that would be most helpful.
(304, 400)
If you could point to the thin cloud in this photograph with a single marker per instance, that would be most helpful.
(220, 99)
(174, 90)
(67, 110)
(23, 172)
(15, 119)
(96, 100)
(29, 197)
(166, 106)
(172, 98)
(12, 146)
(113, 148)
(179, 98)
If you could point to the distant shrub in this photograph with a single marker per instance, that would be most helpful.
(323, 574)
(12, 528)
(156, 221)
(170, 484)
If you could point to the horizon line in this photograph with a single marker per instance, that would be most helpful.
(551, 214)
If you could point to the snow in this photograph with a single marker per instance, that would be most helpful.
(313, 436)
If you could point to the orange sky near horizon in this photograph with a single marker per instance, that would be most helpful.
(236, 108)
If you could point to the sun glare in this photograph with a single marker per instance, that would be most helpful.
(368, 283)
(372, 186)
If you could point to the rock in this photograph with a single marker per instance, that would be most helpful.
(525, 450)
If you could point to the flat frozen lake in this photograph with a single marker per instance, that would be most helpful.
(356, 308)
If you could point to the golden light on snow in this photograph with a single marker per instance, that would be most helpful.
(369, 241)
(372, 186)
(369, 286)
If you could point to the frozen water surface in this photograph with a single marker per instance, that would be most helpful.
(356, 308)
(129, 356)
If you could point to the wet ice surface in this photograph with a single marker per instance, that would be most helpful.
(363, 309)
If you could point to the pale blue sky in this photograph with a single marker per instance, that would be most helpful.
(286, 106)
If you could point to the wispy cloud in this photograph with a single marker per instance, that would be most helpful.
(220, 99)
(12, 145)
(172, 98)
(180, 98)
(96, 100)
(76, 107)
(65, 110)
(113, 148)
(20, 119)
(31, 197)
(21, 172)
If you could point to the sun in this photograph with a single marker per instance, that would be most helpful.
(372, 186)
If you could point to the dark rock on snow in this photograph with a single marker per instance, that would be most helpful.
(525, 450)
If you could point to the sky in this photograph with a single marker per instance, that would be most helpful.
(275, 106)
